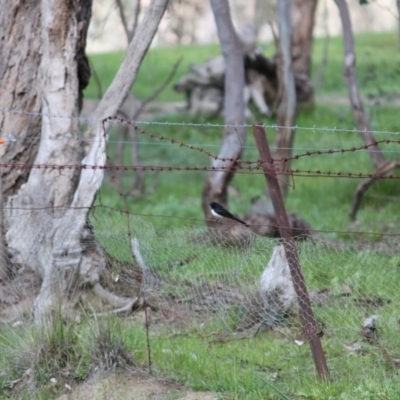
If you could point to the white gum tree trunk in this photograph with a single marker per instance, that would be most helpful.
(216, 186)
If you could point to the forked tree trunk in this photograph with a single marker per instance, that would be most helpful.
(217, 182)
(30, 234)
(58, 244)
(287, 107)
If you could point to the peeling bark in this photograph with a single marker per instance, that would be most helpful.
(20, 43)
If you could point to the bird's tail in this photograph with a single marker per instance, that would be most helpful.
(242, 222)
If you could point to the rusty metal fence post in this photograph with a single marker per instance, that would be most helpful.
(309, 323)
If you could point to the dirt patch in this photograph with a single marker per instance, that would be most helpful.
(129, 386)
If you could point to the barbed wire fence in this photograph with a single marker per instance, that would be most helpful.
(220, 281)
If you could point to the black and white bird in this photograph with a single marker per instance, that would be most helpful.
(220, 212)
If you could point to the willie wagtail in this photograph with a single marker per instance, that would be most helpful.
(220, 212)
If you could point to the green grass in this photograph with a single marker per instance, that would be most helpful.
(39, 362)
(237, 369)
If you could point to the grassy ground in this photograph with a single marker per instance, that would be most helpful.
(243, 369)
(188, 346)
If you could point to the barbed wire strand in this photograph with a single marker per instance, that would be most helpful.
(313, 128)
(237, 169)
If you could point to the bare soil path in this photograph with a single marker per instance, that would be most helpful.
(127, 386)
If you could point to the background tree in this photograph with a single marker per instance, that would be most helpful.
(295, 56)
(287, 107)
(129, 27)
(217, 182)
(234, 139)
(382, 165)
(303, 19)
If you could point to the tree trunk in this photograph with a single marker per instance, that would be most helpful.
(287, 108)
(129, 31)
(302, 17)
(296, 22)
(217, 182)
(30, 235)
(350, 74)
(20, 44)
(319, 80)
(60, 245)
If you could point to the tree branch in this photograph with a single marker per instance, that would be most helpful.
(121, 10)
(126, 75)
(158, 90)
(135, 22)
(97, 80)
(350, 74)
(364, 186)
